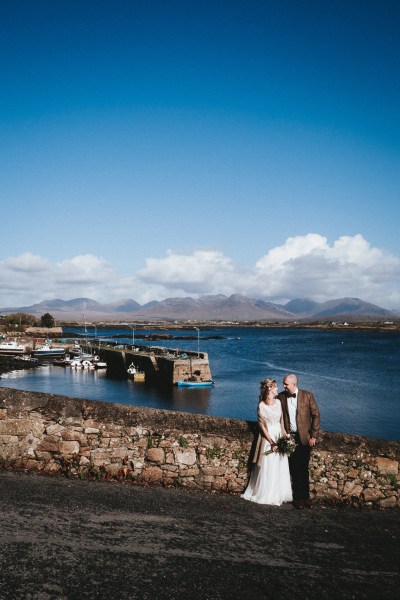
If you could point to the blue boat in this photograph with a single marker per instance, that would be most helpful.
(195, 384)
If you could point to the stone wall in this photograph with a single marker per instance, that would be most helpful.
(90, 439)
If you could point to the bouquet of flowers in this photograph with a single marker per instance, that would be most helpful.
(286, 445)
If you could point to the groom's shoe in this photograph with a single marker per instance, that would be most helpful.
(299, 504)
(308, 504)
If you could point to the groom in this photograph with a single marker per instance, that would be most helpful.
(301, 418)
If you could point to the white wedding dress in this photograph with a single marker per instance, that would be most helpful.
(270, 483)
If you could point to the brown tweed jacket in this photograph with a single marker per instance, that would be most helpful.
(307, 417)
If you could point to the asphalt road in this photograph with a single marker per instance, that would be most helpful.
(71, 539)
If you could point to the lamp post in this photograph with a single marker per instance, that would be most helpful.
(133, 337)
(198, 341)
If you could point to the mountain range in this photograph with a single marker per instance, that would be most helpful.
(236, 307)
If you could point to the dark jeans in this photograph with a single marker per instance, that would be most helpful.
(298, 466)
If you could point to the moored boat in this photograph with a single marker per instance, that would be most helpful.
(61, 362)
(99, 364)
(135, 374)
(76, 349)
(47, 351)
(11, 348)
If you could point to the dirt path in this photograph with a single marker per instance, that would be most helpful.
(67, 539)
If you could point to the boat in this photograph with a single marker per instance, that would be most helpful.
(135, 374)
(195, 384)
(87, 364)
(76, 350)
(11, 348)
(99, 364)
(47, 351)
(61, 362)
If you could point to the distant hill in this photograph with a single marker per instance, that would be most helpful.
(301, 306)
(236, 307)
(349, 306)
(232, 308)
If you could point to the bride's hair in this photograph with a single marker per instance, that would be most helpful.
(266, 385)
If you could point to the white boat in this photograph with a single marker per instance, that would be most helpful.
(47, 351)
(87, 364)
(135, 374)
(75, 363)
(99, 364)
(11, 349)
(76, 349)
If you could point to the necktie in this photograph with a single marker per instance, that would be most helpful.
(291, 395)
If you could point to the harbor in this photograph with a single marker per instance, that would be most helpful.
(150, 363)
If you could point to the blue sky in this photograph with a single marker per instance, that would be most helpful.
(167, 148)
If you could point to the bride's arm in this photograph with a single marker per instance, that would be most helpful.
(264, 430)
(284, 433)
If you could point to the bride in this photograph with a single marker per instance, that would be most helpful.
(270, 479)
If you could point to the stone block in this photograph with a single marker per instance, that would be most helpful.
(47, 447)
(15, 427)
(54, 429)
(189, 483)
(99, 461)
(219, 484)
(215, 471)
(170, 474)
(115, 442)
(353, 474)
(45, 456)
(168, 481)
(236, 486)
(38, 428)
(386, 466)
(155, 455)
(70, 435)
(185, 456)
(320, 488)
(72, 422)
(189, 472)
(388, 502)
(3, 413)
(372, 494)
(9, 439)
(51, 467)
(213, 441)
(331, 494)
(152, 474)
(51, 439)
(68, 447)
(120, 452)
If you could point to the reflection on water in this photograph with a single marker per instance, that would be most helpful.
(96, 385)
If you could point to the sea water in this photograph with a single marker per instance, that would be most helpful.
(354, 375)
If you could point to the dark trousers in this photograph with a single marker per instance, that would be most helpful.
(298, 466)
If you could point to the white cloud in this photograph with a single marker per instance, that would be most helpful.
(308, 267)
(84, 269)
(198, 273)
(26, 262)
(304, 266)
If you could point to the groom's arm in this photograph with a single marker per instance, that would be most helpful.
(315, 419)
